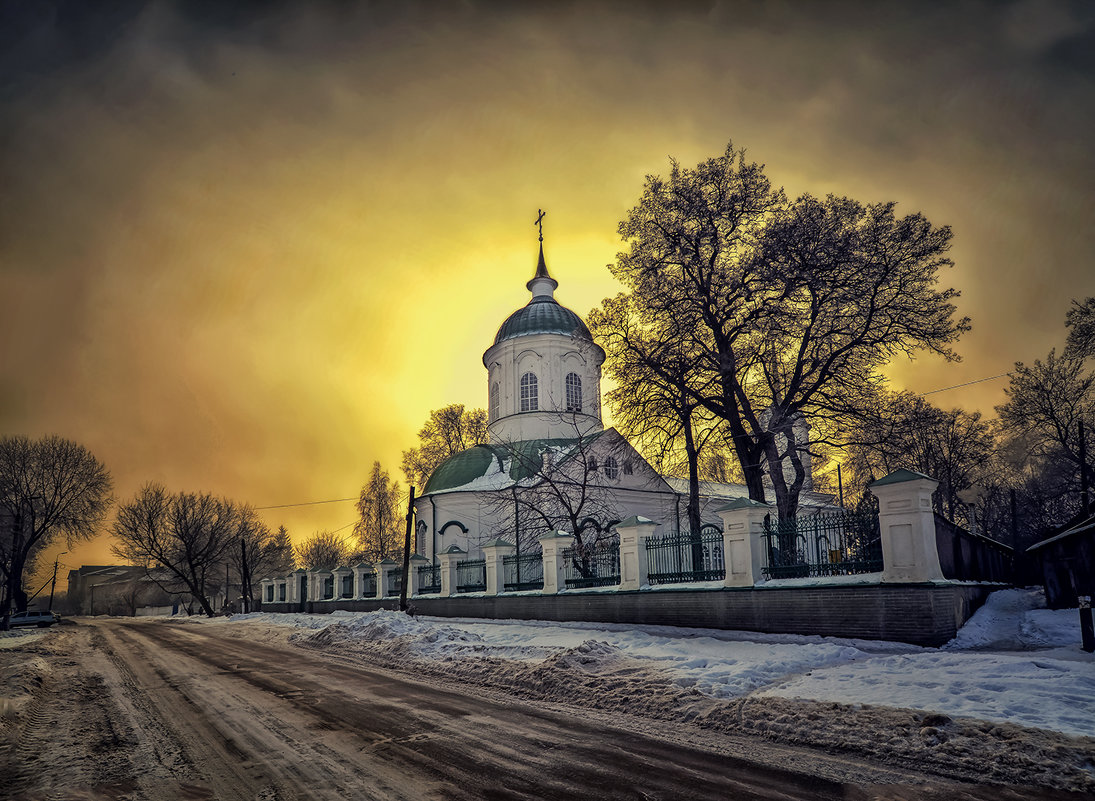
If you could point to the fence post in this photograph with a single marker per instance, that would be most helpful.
(448, 558)
(552, 545)
(383, 568)
(360, 569)
(493, 552)
(319, 581)
(633, 533)
(414, 583)
(906, 523)
(294, 585)
(743, 541)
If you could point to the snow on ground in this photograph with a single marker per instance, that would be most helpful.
(1013, 662)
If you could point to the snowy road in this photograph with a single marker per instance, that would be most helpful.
(156, 710)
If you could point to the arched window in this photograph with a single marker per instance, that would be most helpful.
(592, 464)
(494, 401)
(530, 399)
(574, 392)
(612, 470)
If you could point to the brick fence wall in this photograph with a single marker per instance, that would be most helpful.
(921, 614)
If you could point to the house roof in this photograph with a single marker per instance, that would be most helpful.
(1081, 527)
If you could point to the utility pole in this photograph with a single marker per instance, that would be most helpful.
(1083, 470)
(407, 554)
(53, 585)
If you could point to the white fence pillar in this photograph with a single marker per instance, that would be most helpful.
(383, 568)
(907, 525)
(552, 544)
(448, 558)
(414, 585)
(493, 553)
(266, 595)
(742, 541)
(633, 568)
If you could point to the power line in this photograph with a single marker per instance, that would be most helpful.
(305, 503)
(956, 386)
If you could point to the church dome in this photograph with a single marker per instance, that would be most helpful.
(543, 315)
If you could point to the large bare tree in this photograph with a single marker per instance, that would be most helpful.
(789, 309)
(183, 540)
(324, 550)
(448, 431)
(49, 488)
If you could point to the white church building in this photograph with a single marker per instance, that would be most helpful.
(546, 437)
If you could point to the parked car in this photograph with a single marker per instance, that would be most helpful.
(34, 617)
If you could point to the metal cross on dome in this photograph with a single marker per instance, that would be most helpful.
(540, 222)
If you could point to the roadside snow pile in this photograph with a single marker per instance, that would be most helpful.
(1015, 620)
(397, 635)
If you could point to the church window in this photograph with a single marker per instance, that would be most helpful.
(593, 464)
(612, 470)
(494, 401)
(627, 467)
(574, 392)
(530, 400)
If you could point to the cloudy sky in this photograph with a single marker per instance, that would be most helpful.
(246, 248)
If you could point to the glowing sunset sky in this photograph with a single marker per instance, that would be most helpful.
(246, 249)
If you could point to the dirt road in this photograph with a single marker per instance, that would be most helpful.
(162, 711)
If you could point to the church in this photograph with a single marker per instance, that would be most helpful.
(549, 462)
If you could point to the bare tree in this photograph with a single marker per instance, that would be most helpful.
(448, 431)
(564, 483)
(789, 309)
(655, 402)
(324, 550)
(904, 430)
(254, 552)
(182, 540)
(379, 529)
(49, 487)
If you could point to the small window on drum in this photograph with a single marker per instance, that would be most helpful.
(627, 468)
(530, 400)
(593, 464)
(574, 392)
(494, 392)
(612, 470)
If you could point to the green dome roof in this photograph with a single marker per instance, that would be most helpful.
(479, 461)
(542, 315)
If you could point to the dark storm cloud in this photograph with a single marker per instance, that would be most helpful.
(210, 211)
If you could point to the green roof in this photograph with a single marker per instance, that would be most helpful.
(468, 465)
(542, 315)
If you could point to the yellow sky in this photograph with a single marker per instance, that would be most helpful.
(249, 254)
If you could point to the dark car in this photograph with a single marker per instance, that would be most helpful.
(34, 617)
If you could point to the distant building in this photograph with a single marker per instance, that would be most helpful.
(116, 590)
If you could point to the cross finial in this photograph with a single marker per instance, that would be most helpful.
(540, 222)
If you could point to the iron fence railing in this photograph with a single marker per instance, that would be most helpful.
(471, 576)
(679, 558)
(827, 544)
(429, 579)
(395, 582)
(596, 567)
(368, 585)
(524, 572)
